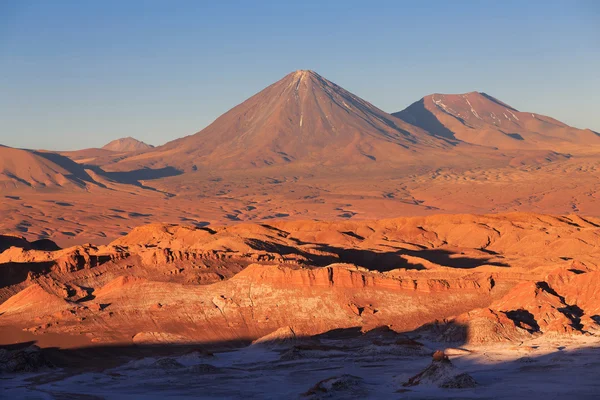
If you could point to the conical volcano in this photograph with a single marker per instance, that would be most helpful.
(303, 118)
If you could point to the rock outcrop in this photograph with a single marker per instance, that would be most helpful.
(466, 278)
(442, 373)
(28, 359)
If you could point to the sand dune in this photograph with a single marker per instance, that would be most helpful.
(32, 169)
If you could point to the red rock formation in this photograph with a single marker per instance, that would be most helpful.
(481, 119)
(505, 277)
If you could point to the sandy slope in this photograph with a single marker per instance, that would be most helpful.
(30, 169)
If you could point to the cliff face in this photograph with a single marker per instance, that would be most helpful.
(564, 302)
(258, 300)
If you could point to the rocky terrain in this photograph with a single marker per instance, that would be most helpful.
(273, 249)
(291, 294)
(499, 277)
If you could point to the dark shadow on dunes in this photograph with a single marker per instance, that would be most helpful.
(138, 215)
(77, 172)
(373, 260)
(7, 241)
(134, 177)
(515, 136)
(354, 235)
(449, 259)
(196, 223)
(341, 333)
(417, 114)
(16, 178)
(144, 174)
(386, 261)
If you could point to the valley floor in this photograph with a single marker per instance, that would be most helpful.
(559, 368)
(100, 215)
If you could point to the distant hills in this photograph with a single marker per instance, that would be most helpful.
(480, 119)
(308, 120)
(302, 118)
(305, 148)
(127, 144)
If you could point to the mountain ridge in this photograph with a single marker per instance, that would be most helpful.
(303, 117)
(480, 119)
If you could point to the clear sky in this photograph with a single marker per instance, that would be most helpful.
(77, 74)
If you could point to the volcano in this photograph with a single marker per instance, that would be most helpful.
(302, 118)
(481, 119)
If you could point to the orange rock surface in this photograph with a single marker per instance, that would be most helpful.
(483, 278)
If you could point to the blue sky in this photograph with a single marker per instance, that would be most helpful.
(77, 74)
